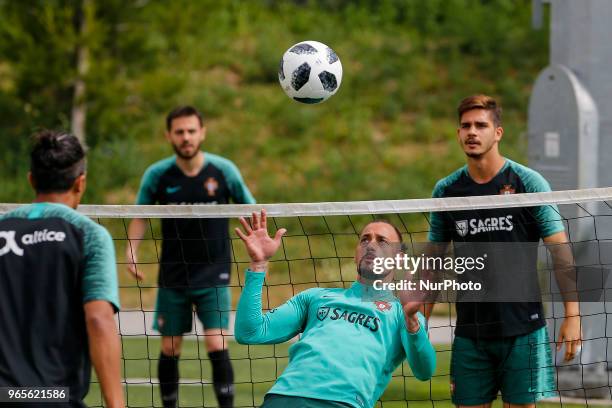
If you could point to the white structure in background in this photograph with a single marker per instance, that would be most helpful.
(570, 143)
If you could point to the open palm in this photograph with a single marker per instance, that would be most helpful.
(259, 245)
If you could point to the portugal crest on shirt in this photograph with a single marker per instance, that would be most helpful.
(211, 185)
(382, 306)
(507, 189)
(322, 312)
(462, 227)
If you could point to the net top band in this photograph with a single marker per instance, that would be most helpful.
(343, 207)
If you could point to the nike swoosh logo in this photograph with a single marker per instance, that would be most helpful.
(172, 190)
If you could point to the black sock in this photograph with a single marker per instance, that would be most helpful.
(223, 378)
(168, 379)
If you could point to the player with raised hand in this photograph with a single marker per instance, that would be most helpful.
(58, 283)
(351, 339)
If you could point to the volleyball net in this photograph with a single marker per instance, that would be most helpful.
(318, 250)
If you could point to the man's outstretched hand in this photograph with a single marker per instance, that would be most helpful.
(259, 245)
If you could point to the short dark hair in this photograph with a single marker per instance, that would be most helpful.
(481, 102)
(181, 112)
(56, 160)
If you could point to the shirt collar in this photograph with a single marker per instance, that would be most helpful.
(368, 294)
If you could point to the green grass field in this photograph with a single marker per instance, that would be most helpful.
(255, 369)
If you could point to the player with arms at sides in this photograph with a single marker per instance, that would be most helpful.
(500, 346)
(350, 343)
(58, 283)
(195, 263)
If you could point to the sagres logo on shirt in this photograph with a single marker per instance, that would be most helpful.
(11, 244)
(478, 225)
(338, 313)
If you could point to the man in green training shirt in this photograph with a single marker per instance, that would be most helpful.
(351, 339)
(58, 285)
(195, 261)
(501, 346)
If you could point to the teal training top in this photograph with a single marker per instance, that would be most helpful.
(350, 344)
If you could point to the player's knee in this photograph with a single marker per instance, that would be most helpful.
(215, 340)
(171, 346)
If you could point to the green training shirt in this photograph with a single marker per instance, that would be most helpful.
(497, 225)
(196, 252)
(350, 345)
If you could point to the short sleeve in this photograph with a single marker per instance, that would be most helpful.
(100, 275)
(548, 217)
(438, 228)
(239, 191)
(148, 185)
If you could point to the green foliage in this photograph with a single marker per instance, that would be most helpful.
(388, 134)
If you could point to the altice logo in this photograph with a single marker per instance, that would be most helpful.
(36, 237)
(9, 243)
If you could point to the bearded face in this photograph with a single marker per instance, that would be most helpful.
(186, 136)
(377, 240)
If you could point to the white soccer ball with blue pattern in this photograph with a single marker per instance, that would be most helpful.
(310, 72)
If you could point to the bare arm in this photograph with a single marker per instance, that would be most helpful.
(105, 350)
(136, 231)
(428, 309)
(570, 333)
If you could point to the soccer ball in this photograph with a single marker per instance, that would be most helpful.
(310, 72)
